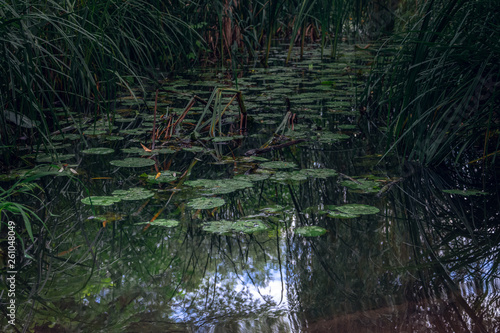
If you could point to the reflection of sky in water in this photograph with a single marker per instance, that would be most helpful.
(232, 296)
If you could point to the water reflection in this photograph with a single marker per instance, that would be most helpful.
(428, 262)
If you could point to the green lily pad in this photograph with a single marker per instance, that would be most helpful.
(310, 231)
(243, 226)
(206, 203)
(466, 192)
(201, 183)
(340, 215)
(47, 158)
(220, 186)
(114, 138)
(134, 193)
(133, 162)
(253, 177)
(366, 186)
(61, 137)
(292, 177)
(100, 200)
(98, 151)
(319, 173)
(163, 223)
(165, 177)
(278, 165)
(357, 209)
(222, 139)
(273, 209)
(194, 149)
(328, 137)
(97, 131)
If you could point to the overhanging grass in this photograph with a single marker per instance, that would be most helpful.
(439, 95)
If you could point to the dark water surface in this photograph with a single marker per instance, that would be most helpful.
(425, 260)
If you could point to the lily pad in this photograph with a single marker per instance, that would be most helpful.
(100, 200)
(206, 203)
(340, 215)
(293, 177)
(319, 173)
(95, 132)
(98, 151)
(114, 138)
(244, 226)
(273, 209)
(134, 193)
(328, 137)
(278, 165)
(163, 223)
(222, 139)
(465, 192)
(366, 186)
(253, 177)
(164, 177)
(357, 209)
(44, 158)
(310, 231)
(61, 137)
(194, 149)
(133, 162)
(220, 186)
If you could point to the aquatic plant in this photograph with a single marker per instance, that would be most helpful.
(58, 55)
(439, 93)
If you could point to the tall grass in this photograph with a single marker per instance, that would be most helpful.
(75, 55)
(439, 95)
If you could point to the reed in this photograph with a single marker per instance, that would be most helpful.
(439, 94)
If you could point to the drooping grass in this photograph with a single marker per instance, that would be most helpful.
(439, 95)
(75, 56)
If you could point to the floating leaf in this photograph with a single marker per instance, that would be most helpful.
(114, 138)
(319, 173)
(134, 193)
(194, 149)
(253, 177)
(133, 162)
(220, 186)
(163, 223)
(166, 176)
(206, 203)
(98, 151)
(100, 200)
(278, 165)
(273, 209)
(363, 185)
(357, 209)
(96, 131)
(329, 137)
(222, 139)
(60, 137)
(465, 192)
(340, 215)
(244, 226)
(293, 177)
(44, 158)
(310, 231)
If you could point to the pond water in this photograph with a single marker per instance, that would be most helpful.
(205, 234)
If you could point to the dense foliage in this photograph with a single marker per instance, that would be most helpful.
(438, 91)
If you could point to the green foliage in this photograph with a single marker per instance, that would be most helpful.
(439, 94)
(75, 54)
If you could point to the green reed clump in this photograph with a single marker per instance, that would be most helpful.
(59, 56)
(439, 94)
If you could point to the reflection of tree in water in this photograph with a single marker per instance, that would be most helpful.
(431, 265)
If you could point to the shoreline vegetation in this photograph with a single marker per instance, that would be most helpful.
(431, 95)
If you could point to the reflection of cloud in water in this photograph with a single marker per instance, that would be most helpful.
(239, 299)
